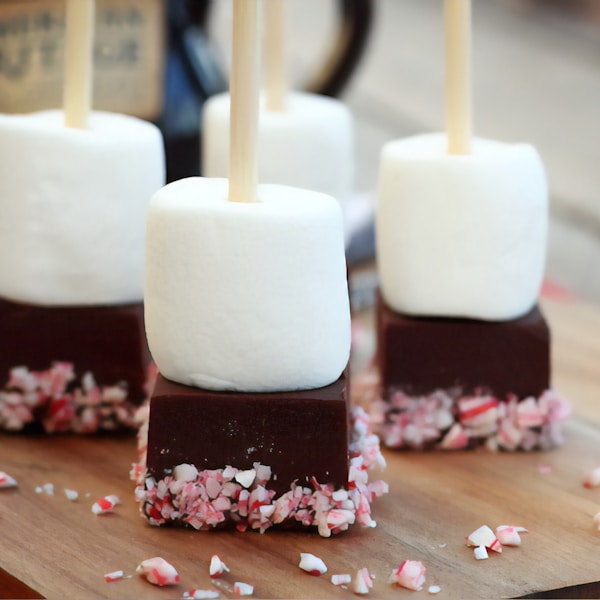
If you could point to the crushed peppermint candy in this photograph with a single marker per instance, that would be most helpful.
(434, 589)
(47, 488)
(341, 578)
(214, 497)
(59, 402)
(597, 520)
(508, 535)
(451, 420)
(592, 478)
(362, 582)
(410, 575)
(113, 576)
(480, 552)
(105, 505)
(217, 567)
(71, 495)
(312, 564)
(243, 589)
(6, 481)
(198, 594)
(484, 536)
(158, 571)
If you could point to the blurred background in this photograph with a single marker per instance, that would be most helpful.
(536, 77)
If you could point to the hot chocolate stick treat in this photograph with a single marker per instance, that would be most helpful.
(461, 236)
(247, 317)
(304, 140)
(74, 191)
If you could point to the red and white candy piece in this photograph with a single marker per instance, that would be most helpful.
(6, 481)
(158, 571)
(341, 578)
(592, 478)
(217, 567)
(113, 576)
(105, 505)
(243, 589)
(410, 575)
(362, 582)
(312, 564)
(508, 535)
(480, 552)
(484, 536)
(197, 594)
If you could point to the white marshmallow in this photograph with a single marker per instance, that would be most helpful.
(73, 207)
(461, 236)
(309, 144)
(246, 296)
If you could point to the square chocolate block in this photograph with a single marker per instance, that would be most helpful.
(419, 355)
(299, 435)
(108, 341)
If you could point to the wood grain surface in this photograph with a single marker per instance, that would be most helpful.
(59, 549)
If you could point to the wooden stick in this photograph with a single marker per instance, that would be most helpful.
(244, 88)
(458, 76)
(275, 55)
(78, 74)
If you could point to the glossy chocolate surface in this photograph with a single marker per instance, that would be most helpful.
(298, 434)
(420, 355)
(108, 341)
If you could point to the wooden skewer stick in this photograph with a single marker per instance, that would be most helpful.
(458, 76)
(244, 89)
(276, 82)
(78, 73)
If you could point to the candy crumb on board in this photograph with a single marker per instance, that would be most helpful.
(243, 589)
(105, 504)
(312, 564)
(484, 536)
(217, 567)
(71, 495)
(113, 576)
(341, 578)
(592, 478)
(197, 594)
(362, 582)
(6, 481)
(434, 589)
(597, 520)
(158, 571)
(508, 535)
(410, 575)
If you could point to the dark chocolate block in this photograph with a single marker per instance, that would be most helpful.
(108, 341)
(419, 355)
(298, 434)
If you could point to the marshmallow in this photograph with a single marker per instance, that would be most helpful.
(308, 145)
(246, 296)
(461, 236)
(73, 205)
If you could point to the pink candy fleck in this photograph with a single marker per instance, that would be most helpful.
(158, 571)
(362, 582)
(312, 564)
(508, 535)
(113, 576)
(217, 567)
(105, 505)
(6, 481)
(410, 575)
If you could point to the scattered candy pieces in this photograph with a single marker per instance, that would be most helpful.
(592, 478)
(362, 582)
(243, 589)
(484, 536)
(47, 488)
(434, 589)
(312, 564)
(245, 478)
(410, 575)
(480, 553)
(158, 571)
(6, 481)
(341, 579)
(105, 505)
(72, 495)
(217, 567)
(508, 535)
(597, 520)
(201, 594)
(113, 576)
